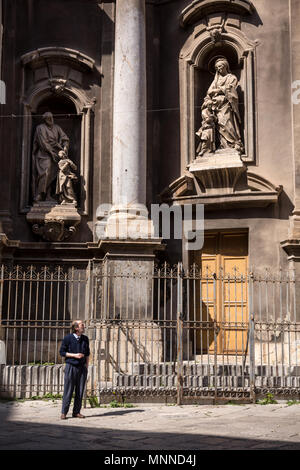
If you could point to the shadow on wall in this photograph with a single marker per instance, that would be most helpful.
(282, 211)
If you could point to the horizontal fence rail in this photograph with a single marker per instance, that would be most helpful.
(155, 331)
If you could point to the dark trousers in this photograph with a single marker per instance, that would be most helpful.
(75, 377)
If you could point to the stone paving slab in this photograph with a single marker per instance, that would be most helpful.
(35, 425)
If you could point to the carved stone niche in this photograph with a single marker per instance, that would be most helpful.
(55, 80)
(215, 32)
(57, 77)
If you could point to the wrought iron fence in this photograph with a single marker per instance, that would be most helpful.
(154, 330)
(37, 304)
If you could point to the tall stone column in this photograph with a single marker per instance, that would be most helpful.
(129, 124)
(129, 246)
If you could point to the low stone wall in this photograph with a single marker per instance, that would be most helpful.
(30, 381)
(39, 380)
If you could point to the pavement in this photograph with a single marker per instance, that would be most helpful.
(36, 425)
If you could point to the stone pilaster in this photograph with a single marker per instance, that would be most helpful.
(292, 244)
(295, 71)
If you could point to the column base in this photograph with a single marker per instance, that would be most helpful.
(129, 223)
(127, 277)
(292, 249)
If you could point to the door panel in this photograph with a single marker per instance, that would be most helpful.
(225, 299)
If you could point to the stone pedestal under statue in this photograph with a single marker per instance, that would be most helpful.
(52, 221)
(218, 172)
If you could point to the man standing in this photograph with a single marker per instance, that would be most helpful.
(75, 348)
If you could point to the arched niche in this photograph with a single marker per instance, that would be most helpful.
(65, 115)
(205, 72)
(212, 37)
(54, 80)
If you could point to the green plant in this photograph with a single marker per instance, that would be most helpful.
(128, 405)
(269, 400)
(37, 363)
(293, 402)
(93, 401)
(47, 396)
(116, 404)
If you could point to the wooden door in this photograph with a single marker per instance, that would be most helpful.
(223, 299)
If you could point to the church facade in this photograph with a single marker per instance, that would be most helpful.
(81, 73)
(112, 108)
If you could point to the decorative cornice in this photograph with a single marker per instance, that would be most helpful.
(188, 189)
(292, 249)
(46, 54)
(124, 248)
(200, 8)
(258, 183)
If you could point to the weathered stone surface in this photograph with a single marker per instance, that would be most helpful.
(53, 222)
(2, 352)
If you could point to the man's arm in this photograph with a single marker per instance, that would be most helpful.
(63, 348)
(75, 355)
(87, 356)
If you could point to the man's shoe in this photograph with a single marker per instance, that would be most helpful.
(63, 416)
(78, 415)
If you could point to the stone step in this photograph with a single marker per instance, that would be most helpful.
(194, 369)
(203, 381)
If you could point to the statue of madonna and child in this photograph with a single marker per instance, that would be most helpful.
(221, 121)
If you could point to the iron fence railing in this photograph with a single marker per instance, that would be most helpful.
(154, 330)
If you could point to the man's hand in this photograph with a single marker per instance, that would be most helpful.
(78, 355)
(75, 355)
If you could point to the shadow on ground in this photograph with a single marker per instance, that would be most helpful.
(72, 435)
(115, 413)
